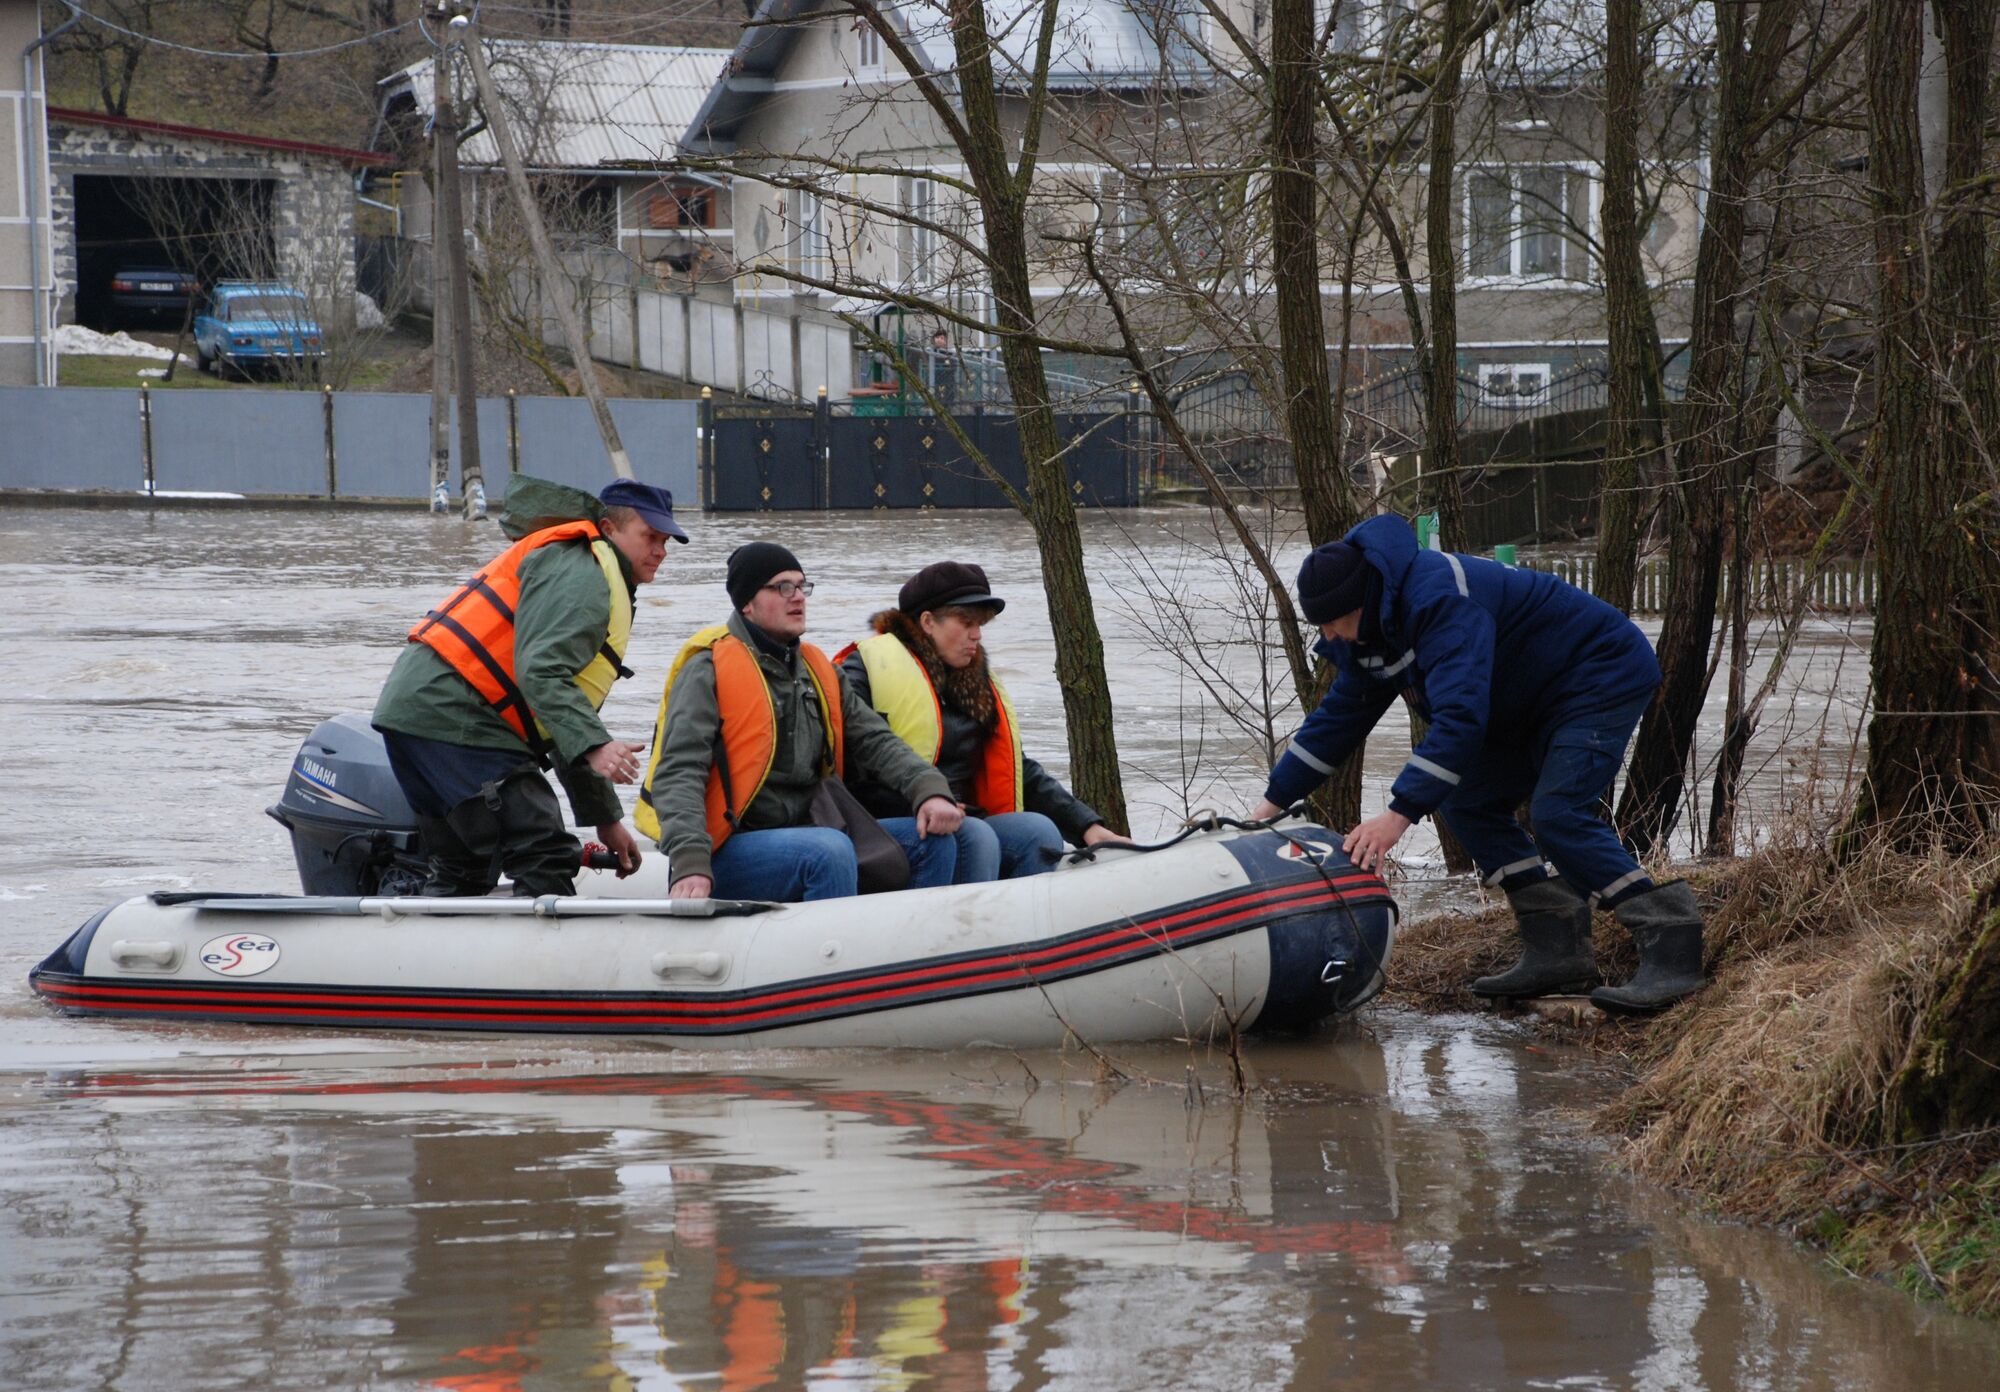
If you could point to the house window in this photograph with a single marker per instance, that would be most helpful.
(1513, 384)
(868, 45)
(917, 246)
(681, 205)
(1363, 26)
(584, 212)
(809, 243)
(1527, 222)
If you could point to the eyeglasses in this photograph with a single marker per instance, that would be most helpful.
(787, 588)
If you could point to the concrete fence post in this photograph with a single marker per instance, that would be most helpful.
(513, 432)
(326, 418)
(146, 434)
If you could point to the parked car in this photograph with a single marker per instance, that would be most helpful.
(148, 290)
(247, 323)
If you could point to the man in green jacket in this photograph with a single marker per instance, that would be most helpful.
(751, 720)
(505, 678)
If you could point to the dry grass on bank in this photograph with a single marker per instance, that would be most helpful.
(1762, 1096)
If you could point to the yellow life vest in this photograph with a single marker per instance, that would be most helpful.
(900, 689)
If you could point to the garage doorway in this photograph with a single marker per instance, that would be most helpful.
(213, 229)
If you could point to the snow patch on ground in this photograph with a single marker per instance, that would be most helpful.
(368, 314)
(75, 338)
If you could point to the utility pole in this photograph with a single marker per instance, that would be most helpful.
(442, 130)
(472, 481)
(545, 252)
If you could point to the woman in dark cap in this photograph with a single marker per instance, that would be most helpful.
(925, 671)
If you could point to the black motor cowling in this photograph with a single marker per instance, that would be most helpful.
(353, 832)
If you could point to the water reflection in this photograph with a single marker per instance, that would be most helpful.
(1400, 1204)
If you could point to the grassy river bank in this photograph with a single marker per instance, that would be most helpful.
(1766, 1098)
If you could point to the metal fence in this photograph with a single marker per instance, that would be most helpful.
(362, 446)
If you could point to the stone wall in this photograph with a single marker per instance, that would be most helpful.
(312, 208)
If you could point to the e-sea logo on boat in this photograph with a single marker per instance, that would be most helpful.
(240, 954)
(1315, 852)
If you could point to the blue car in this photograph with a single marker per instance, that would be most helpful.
(247, 323)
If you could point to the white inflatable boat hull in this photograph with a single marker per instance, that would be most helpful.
(1275, 931)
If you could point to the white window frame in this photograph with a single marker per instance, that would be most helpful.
(1497, 384)
(916, 247)
(867, 49)
(1571, 230)
(811, 252)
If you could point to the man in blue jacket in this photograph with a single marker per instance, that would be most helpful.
(1532, 689)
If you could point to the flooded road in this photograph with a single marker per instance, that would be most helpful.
(1403, 1200)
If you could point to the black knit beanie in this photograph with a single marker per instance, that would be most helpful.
(1333, 580)
(751, 567)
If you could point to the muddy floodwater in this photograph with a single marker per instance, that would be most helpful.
(1400, 1202)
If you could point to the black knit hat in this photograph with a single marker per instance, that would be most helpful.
(751, 567)
(947, 582)
(1333, 580)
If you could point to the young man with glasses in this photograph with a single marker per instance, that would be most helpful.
(752, 719)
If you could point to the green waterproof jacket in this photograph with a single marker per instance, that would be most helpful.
(563, 618)
(687, 752)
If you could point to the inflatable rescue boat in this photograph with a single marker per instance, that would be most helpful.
(1264, 927)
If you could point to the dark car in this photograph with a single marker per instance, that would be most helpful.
(149, 290)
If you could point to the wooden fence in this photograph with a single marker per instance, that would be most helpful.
(1842, 586)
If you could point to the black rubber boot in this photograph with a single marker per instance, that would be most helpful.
(1666, 925)
(1554, 924)
(456, 872)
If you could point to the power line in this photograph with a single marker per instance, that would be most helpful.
(259, 56)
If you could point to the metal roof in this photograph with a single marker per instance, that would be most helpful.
(1099, 45)
(582, 105)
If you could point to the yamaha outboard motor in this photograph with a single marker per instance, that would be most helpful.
(353, 832)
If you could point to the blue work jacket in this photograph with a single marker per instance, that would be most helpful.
(1492, 654)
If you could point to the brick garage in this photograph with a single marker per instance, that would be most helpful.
(218, 203)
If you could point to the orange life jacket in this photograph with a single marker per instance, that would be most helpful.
(747, 739)
(473, 630)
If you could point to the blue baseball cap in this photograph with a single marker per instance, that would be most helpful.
(656, 505)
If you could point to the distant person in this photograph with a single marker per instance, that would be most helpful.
(1532, 689)
(946, 369)
(925, 671)
(505, 678)
(751, 720)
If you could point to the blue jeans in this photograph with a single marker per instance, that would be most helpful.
(934, 860)
(785, 865)
(1562, 771)
(989, 848)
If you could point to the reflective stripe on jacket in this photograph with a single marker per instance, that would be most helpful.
(900, 688)
(473, 630)
(747, 737)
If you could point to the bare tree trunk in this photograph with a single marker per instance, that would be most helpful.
(1948, 1081)
(1087, 707)
(1749, 51)
(1631, 435)
(1324, 492)
(1446, 493)
(1317, 456)
(1932, 766)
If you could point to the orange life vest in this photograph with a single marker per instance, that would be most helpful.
(473, 630)
(747, 739)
